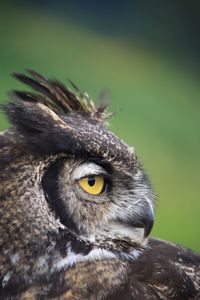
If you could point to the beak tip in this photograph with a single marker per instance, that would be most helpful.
(148, 227)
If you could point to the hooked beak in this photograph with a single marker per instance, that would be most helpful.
(145, 220)
(148, 221)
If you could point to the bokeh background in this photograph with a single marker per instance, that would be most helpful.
(147, 54)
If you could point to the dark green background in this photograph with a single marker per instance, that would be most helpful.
(148, 58)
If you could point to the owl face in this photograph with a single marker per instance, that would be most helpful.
(98, 200)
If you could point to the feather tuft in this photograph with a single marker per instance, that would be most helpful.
(58, 97)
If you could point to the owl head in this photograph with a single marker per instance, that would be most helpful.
(63, 173)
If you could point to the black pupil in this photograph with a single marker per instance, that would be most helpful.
(91, 180)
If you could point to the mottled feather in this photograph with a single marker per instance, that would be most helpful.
(57, 242)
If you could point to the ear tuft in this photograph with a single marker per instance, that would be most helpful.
(58, 97)
(53, 119)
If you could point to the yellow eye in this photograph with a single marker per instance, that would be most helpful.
(93, 185)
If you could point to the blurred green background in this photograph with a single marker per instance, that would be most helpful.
(147, 54)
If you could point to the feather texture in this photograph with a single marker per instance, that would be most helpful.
(58, 97)
(60, 242)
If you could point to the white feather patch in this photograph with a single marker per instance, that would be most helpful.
(94, 254)
(87, 169)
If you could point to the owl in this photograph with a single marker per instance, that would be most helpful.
(76, 207)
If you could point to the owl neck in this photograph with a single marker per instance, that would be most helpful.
(84, 249)
(63, 250)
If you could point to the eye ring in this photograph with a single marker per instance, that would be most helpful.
(93, 184)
